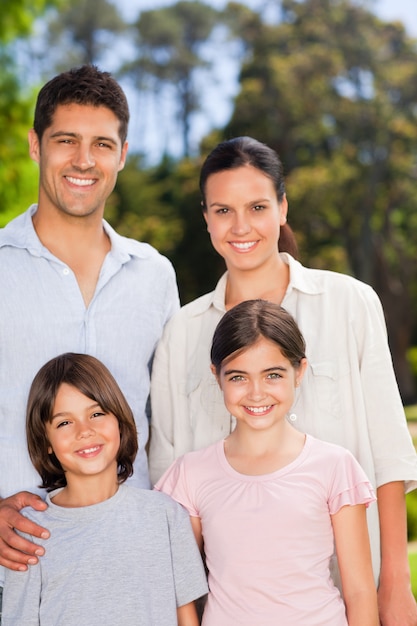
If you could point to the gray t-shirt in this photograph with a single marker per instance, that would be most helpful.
(130, 560)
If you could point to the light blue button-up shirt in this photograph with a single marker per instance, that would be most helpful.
(43, 314)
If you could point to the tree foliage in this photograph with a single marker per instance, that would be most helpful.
(18, 175)
(17, 17)
(169, 45)
(83, 32)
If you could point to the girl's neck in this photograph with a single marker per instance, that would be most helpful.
(85, 492)
(264, 452)
(267, 283)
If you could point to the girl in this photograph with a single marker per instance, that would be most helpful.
(349, 394)
(117, 554)
(268, 503)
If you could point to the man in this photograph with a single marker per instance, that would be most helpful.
(69, 282)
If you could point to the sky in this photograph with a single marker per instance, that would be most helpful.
(146, 121)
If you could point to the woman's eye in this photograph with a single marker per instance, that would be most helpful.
(274, 375)
(222, 211)
(258, 207)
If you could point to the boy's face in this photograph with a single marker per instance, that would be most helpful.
(84, 438)
(79, 158)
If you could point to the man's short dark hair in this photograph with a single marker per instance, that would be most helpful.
(86, 85)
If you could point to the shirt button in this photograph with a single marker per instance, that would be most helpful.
(65, 271)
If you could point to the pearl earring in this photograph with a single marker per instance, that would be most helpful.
(292, 417)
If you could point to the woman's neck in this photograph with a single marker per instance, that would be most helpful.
(266, 283)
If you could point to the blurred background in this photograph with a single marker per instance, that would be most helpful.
(330, 84)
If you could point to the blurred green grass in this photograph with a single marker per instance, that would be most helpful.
(412, 558)
(411, 413)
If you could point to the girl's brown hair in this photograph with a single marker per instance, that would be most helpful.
(244, 324)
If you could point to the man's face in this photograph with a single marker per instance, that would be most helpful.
(79, 158)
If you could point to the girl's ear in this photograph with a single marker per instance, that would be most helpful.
(299, 374)
(50, 451)
(213, 371)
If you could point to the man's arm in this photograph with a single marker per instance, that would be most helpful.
(397, 606)
(15, 551)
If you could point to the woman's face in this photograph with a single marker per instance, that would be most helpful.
(244, 217)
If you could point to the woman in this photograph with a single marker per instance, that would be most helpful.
(349, 395)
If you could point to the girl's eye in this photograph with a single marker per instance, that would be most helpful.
(222, 211)
(274, 375)
(98, 414)
(64, 423)
(237, 378)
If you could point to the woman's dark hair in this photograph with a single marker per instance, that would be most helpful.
(93, 379)
(242, 151)
(86, 85)
(244, 324)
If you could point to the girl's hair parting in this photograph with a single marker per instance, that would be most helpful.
(244, 324)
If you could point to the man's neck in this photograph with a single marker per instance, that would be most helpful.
(80, 243)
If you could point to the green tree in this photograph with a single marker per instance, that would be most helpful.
(18, 175)
(82, 32)
(334, 90)
(162, 206)
(170, 42)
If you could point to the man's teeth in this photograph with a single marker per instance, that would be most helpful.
(81, 182)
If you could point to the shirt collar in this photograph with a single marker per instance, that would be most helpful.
(301, 279)
(20, 233)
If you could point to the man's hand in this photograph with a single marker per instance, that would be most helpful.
(15, 551)
(397, 606)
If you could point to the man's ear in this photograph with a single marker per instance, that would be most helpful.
(34, 146)
(123, 155)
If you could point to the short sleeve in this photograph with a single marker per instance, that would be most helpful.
(189, 574)
(350, 485)
(21, 596)
(175, 483)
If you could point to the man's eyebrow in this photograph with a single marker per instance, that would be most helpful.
(66, 133)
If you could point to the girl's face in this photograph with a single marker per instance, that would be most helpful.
(259, 385)
(84, 438)
(244, 217)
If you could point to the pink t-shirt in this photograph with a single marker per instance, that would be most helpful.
(268, 539)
